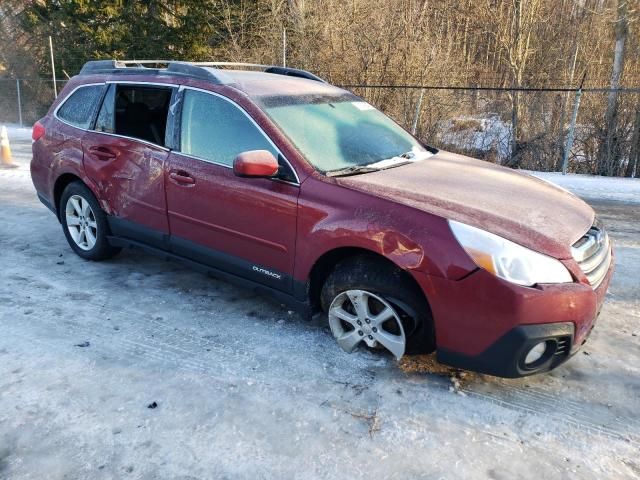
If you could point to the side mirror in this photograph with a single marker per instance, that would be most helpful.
(255, 164)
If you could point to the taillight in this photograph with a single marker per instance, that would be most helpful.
(37, 132)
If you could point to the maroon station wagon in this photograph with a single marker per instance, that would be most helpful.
(274, 179)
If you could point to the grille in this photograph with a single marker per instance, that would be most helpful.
(593, 254)
(563, 346)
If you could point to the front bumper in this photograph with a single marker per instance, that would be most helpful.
(488, 325)
(505, 358)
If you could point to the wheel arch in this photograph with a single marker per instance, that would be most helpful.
(327, 262)
(61, 183)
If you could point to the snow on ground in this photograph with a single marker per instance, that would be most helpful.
(478, 133)
(595, 187)
(17, 133)
(244, 389)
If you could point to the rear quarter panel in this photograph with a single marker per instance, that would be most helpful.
(59, 151)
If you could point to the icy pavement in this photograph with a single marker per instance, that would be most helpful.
(244, 389)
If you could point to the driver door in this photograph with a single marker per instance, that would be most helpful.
(243, 226)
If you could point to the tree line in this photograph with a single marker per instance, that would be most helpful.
(497, 43)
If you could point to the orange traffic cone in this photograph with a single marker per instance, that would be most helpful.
(5, 156)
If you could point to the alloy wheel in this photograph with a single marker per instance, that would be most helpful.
(81, 222)
(357, 316)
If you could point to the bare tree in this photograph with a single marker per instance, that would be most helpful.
(515, 25)
(503, 43)
(634, 152)
(609, 148)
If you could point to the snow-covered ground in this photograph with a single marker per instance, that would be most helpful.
(478, 133)
(244, 389)
(17, 133)
(595, 187)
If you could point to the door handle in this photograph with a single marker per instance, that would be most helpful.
(102, 153)
(182, 177)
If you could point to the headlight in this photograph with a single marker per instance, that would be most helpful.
(509, 260)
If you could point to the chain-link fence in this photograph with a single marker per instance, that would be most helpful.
(474, 121)
(24, 101)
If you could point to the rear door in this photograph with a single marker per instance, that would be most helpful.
(125, 155)
(243, 226)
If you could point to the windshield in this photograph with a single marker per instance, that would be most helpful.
(336, 132)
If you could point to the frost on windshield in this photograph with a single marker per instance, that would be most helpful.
(342, 131)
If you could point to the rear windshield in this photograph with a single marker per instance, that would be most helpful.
(339, 131)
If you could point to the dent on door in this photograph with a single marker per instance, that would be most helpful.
(63, 149)
(130, 177)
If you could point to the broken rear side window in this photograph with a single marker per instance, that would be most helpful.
(136, 111)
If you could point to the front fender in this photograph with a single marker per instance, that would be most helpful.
(332, 217)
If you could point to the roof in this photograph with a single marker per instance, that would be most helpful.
(262, 84)
(270, 80)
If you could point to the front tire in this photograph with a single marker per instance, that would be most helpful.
(364, 292)
(84, 223)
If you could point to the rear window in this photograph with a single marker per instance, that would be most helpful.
(135, 111)
(106, 117)
(78, 109)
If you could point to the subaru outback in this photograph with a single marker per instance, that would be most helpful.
(274, 179)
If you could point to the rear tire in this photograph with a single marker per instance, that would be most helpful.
(84, 223)
(391, 284)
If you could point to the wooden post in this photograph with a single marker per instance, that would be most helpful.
(19, 102)
(284, 47)
(53, 69)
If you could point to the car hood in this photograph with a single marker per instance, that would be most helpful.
(516, 206)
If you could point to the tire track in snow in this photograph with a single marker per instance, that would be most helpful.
(550, 408)
(544, 401)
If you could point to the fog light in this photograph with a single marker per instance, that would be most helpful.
(535, 353)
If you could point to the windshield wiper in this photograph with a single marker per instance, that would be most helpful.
(397, 164)
(353, 170)
(397, 161)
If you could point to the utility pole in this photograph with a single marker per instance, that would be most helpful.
(53, 69)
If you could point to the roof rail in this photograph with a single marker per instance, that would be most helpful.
(143, 66)
(201, 70)
(294, 72)
(291, 72)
